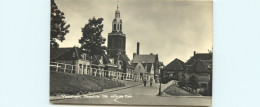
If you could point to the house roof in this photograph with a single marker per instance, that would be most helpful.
(145, 58)
(161, 64)
(67, 54)
(201, 66)
(175, 65)
(123, 58)
(139, 68)
(97, 58)
(55, 52)
(75, 53)
(202, 56)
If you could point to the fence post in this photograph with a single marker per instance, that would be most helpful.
(65, 68)
(57, 68)
(71, 69)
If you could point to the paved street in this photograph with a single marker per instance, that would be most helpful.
(138, 95)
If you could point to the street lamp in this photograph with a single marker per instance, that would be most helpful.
(160, 87)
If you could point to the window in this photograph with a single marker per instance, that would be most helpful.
(84, 56)
(80, 65)
(120, 26)
(114, 26)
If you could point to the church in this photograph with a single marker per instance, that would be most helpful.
(116, 48)
(144, 66)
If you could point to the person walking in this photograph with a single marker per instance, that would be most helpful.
(144, 80)
(151, 81)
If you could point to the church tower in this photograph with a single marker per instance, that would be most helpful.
(116, 39)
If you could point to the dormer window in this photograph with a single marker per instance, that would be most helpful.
(84, 56)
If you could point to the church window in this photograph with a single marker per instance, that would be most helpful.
(114, 26)
(120, 26)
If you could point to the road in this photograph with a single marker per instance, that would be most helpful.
(138, 95)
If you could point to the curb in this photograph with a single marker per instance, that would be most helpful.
(113, 90)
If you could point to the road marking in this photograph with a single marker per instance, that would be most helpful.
(115, 100)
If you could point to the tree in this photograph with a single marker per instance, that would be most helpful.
(58, 25)
(204, 85)
(182, 82)
(92, 40)
(193, 82)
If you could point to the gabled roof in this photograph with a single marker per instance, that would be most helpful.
(139, 68)
(123, 58)
(55, 52)
(96, 59)
(145, 58)
(201, 66)
(161, 64)
(197, 56)
(175, 65)
(73, 53)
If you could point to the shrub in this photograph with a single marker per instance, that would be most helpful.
(193, 82)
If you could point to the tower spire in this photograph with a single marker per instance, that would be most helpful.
(117, 4)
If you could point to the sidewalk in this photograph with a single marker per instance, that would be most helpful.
(128, 84)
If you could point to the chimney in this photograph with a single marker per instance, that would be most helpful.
(137, 50)
(194, 52)
(134, 55)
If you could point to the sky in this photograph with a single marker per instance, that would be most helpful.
(170, 28)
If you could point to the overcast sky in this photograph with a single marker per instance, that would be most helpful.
(172, 29)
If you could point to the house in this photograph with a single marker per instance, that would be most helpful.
(175, 69)
(200, 65)
(145, 66)
(124, 69)
(196, 56)
(74, 60)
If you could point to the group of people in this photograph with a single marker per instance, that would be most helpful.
(145, 81)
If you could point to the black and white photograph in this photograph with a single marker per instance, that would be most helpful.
(131, 52)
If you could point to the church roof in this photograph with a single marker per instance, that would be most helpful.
(175, 65)
(145, 58)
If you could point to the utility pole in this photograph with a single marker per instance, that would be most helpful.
(160, 87)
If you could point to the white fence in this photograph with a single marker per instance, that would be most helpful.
(62, 67)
